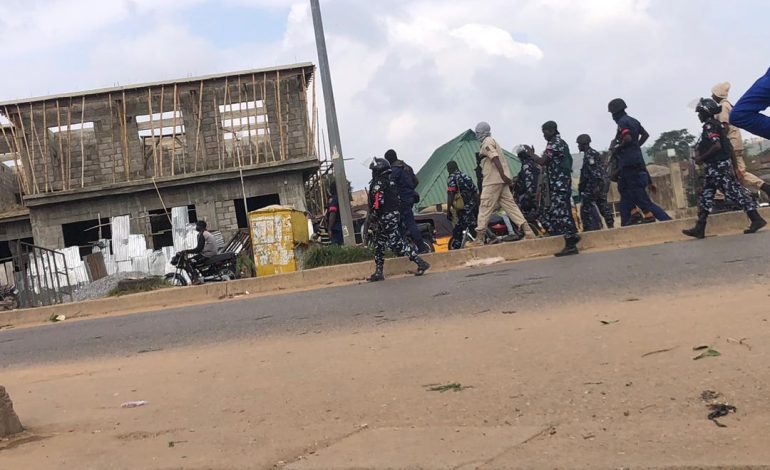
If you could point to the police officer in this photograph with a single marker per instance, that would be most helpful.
(525, 190)
(557, 165)
(712, 152)
(495, 190)
(406, 184)
(384, 214)
(627, 149)
(747, 113)
(463, 197)
(333, 219)
(593, 187)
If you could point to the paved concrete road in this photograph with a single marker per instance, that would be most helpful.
(622, 274)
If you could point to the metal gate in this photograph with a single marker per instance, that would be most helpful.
(40, 275)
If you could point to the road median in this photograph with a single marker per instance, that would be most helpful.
(640, 235)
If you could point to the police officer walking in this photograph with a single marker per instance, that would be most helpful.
(631, 169)
(593, 187)
(406, 183)
(384, 215)
(557, 165)
(496, 189)
(462, 196)
(712, 152)
(525, 190)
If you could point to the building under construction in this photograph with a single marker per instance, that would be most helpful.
(222, 145)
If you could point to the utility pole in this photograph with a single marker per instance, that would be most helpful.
(343, 193)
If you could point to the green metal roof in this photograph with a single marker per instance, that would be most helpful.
(433, 174)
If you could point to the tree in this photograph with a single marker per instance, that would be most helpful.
(679, 140)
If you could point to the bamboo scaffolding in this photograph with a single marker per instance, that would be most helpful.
(280, 112)
(36, 138)
(219, 130)
(268, 137)
(314, 128)
(241, 157)
(124, 128)
(152, 133)
(61, 145)
(19, 170)
(112, 138)
(45, 146)
(160, 139)
(307, 114)
(30, 158)
(198, 130)
(68, 162)
(82, 143)
(256, 115)
(173, 135)
(228, 108)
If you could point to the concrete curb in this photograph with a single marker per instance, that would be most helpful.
(651, 234)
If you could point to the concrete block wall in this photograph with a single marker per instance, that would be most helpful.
(213, 203)
(114, 152)
(9, 186)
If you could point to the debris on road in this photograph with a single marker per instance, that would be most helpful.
(718, 410)
(609, 322)
(710, 395)
(700, 348)
(484, 262)
(133, 404)
(455, 387)
(57, 318)
(741, 342)
(658, 351)
(707, 353)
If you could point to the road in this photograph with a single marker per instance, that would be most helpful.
(636, 273)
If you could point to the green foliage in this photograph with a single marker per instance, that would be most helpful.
(334, 254)
(245, 264)
(679, 140)
(136, 286)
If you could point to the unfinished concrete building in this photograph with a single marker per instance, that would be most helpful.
(222, 145)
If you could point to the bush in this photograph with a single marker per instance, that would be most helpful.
(334, 254)
(135, 286)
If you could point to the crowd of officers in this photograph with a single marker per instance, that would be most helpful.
(539, 200)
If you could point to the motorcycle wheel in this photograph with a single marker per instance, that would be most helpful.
(426, 247)
(176, 279)
(227, 275)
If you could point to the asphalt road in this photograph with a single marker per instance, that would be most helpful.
(621, 274)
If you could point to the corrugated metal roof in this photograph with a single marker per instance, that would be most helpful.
(433, 174)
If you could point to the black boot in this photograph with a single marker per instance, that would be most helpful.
(422, 266)
(699, 231)
(377, 276)
(570, 247)
(757, 222)
(766, 189)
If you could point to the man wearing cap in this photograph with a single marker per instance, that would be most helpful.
(747, 113)
(719, 93)
(632, 171)
(496, 183)
(593, 187)
(557, 210)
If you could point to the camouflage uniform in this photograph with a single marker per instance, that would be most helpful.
(384, 204)
(719, 173)
(593, 188)
(459, 182)
(526, 189)
(557, 209)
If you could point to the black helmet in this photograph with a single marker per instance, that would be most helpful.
(379, 166)
(617, 105)
(584, 139)
(708, 106)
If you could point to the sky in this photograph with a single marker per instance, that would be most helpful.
(411, 74)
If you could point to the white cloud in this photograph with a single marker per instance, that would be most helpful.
(495, 41)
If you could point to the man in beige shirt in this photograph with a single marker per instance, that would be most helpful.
(719, 92)
(495, 190)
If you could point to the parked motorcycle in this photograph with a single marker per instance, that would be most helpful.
(499, 230)
(9, 298)
(218, 268)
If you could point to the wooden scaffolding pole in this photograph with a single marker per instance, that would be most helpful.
(280, 112)
(124, 128)
(268, 138)
(228, 108)
(61, 145)
(218, 129)
(248, 123)
(152, 134)
(160, 139)
(173, 135)
(198, 129)
(112, 138)
(45, 146)
(241, 157)
(68, 163)
(256, 117)
(13, 148)
(82, 143)
(30, 157)
(307, 114)
(36, 138)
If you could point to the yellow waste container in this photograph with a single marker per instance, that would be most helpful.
(276, 232)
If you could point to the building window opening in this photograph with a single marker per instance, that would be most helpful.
(254, 203)
(160, 226)
(86, 234)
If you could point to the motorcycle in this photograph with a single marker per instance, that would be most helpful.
(428, 244)
(218, 268)
(499, 230)
(9, 298)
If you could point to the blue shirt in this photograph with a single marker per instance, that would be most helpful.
(630, 155)
(403, 183)
(747, 112)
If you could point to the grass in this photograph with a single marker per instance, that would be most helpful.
(334, 254)
(137, 286)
